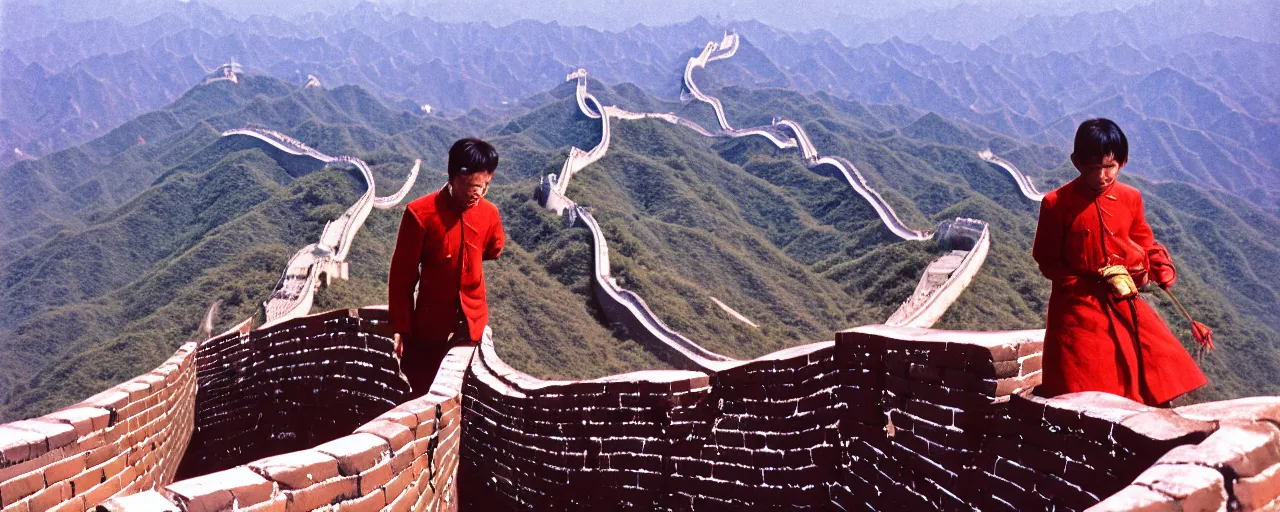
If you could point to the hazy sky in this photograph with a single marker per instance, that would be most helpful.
(614, 14)
(803, 15)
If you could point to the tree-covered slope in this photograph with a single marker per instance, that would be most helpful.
(687, 218)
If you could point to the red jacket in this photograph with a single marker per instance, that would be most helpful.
(439, 253)
(1089, 343)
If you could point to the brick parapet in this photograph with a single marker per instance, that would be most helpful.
(1237, 467)
(880, 418)
(883, 418)
(128, 438)
(291, 386)
(404, 459)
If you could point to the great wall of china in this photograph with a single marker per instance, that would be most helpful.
(319, 263)
(939, 287)
(311, 413)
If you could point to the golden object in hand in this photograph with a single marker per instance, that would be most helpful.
(1121, 283)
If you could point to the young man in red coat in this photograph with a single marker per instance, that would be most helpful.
(443, 238)
(1094, 243)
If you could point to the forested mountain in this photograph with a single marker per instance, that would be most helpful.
(1200, 107)
(108, 284)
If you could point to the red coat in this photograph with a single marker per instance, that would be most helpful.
(1089, 343)
(439, 253)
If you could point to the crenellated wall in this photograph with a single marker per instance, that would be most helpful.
(404, 459)
(882, 418)
(303, 415)
(126, 439)
(291, 386)
(786, 429)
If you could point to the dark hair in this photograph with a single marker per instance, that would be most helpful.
(1099, 137)
(472, 155)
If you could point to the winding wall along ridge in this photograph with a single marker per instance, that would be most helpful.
(713, 51)
(927, 304)
(882, 418)
(620, 304)
(295, 291)
(672, 346)
(728, 47)
(1023, 181)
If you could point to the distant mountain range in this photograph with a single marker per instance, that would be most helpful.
(1200, 107)
(124, 213)
(128, 242)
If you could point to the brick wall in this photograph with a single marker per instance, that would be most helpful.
(882, 418)
(1236, 468)
(301, 416)
(294, 385)
(128, 438)
(403, 459)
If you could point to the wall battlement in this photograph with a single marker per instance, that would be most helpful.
(303, 415)
(126, 439)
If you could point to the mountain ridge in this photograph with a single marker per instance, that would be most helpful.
(405, 60)
(785, 213)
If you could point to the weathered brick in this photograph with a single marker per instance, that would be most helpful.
(405, 501)
(1246, 449)
(1260, 491)
(1159, 430)
(219, 490)
(101, 492)
(76, 504)
(56, 433)
(1136, 498)
(323, 493)
(398, 483)
(114, 466)
(277, 503)
(50, 496)
(1241, 410)
(373, 478)
(1193, 487)
(17, 488)
(149, 500)
(297, 470)
(110, 449)
(368, 503)
(128, 475)
(396, 434)
(83, 419)
(82, 482)
(111, 399)
(356, 452)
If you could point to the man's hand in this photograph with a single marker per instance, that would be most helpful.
(1162, 269)
(1119, 281)
(1140, 277)
(399, 341)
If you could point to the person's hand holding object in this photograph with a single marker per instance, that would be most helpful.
(1120, 282)
(1162, 269)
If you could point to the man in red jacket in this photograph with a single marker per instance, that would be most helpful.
(443, 238)
(1094, 243)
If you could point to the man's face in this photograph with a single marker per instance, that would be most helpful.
(469, 188)
(1098, 174)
